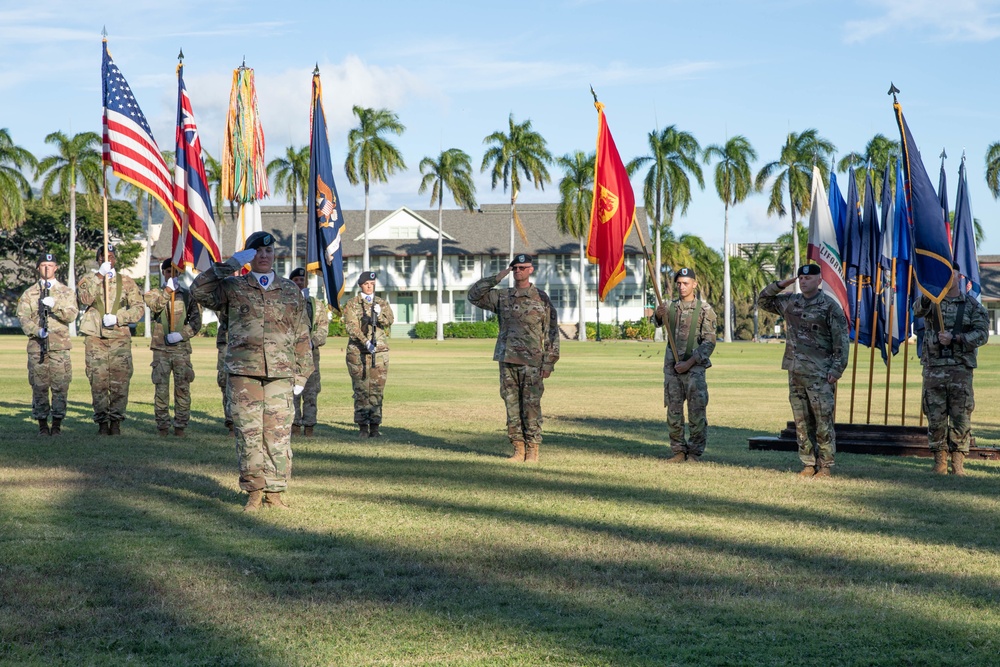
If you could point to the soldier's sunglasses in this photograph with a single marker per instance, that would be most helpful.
(522, 268)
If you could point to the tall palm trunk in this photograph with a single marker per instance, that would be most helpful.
(795, 236)
(582, 294)
(726, 281)
(510, 259)
(295, 234)
(366, 263)
(440, 267)
(71, 277)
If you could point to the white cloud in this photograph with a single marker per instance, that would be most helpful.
(956, 20)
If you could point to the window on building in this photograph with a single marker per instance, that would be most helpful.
(497, 264)
(466, 265)
(431, 266)
(564, 264)
(563, 297)
(403, 233)
(464, 311)
(403, 266)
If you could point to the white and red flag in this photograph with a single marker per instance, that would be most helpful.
(823, 248)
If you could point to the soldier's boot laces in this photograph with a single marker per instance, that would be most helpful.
(518, 454)
(296, 430)
(43, 427)
(679, 457)
(958, 464)
(116, 428)
(824, 471)
(531, 452)
(363, 430)
(808, 471)
(275, 500)
(373, 431)
(164, 432)
(56, 427)
(254, 501)
(940, 462)
(307, 431)
(103, 428)
(179, 431)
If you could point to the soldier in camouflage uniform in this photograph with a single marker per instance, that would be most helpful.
(221, 376)
(816, 348)
(171, 348)
(367, 318)
(45, 311)
(691, 328)
(948, 357)
(108, 339)
(319, 328)
(267, 359)
(527, 349)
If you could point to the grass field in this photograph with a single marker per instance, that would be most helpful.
(428, 548)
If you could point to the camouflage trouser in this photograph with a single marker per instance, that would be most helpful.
(52, 375)
(305, 403)
(812, 400)
(948, 402)
(262, 419)
(692, 388)
(109, 369)
(521, 388)
(222, 377)
(178, 363)
(369, 383)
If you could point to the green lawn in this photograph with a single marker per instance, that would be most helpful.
(428, 548)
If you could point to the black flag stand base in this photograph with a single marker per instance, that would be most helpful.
(873, 439)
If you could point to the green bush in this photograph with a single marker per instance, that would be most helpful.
(428, 330)
(641, 329)
(336, 328)
(608, 331)
(140, 329)
(425, 330)
(210, 330)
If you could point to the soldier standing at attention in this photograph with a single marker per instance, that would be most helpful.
(816, 348)
(45, 311)
(366, 318)
(176, 318)
(691, 323)
(948, 357)
(108, 339)
(267, 359)
(527, 349)
(319, 328)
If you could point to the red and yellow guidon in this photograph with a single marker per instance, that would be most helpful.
(607, 204)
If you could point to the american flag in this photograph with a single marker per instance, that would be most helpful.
(196, 242)
(129, 146)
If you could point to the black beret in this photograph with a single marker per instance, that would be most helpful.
(258, 240)
(297, 273)
(366, 276)
(523, 258)
(684, 273)
(810, 270)
(47, 257)
(100, 252)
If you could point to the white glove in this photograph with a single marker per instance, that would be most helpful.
(244, 256)
(171, 285)
(174, 337)
(110, 320)
(378, 309)
(43, 333)
(49, 302)
(298, 389)
(370, 347)
(305, 292)
(106, 270)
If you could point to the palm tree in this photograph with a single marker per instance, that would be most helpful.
(794, 169)
(14, 187)
(520, 152)
(752, 273)
(785, 261)
(451, 171)
(707, 263)
(77, 162)
(673, 156)
(291, 179)
(879, 151)
(993, 169)
(576, 199)
(213, 172)
(371, 158)
(734, 183)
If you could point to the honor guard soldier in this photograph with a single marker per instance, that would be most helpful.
(45, 311)
(319, 328)
(367, 318)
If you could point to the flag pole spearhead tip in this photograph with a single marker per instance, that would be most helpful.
(316, 70)
(180, 55)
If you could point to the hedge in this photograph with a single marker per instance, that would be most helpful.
(488, 329)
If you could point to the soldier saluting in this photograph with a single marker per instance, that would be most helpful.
(45, 311)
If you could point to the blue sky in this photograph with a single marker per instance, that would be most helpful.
(453, 71)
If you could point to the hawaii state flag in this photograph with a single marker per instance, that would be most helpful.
(823, 247)
(613, 211)
(196, 241)
(325, 219)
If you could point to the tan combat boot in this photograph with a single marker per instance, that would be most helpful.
(363, 430)
(693, 458)
(103, 428)
(43, 427)
(373, 431)
(518, 454)
(958, 464)
(679, 457)
(307, 431)
(808, 471)
(254, 501)
(56, 427)
(824, 471)
(275, 500)
(163, 432)
(531, 452)
(940, 462)
(179, 431)
(296, 430)
(116, 427)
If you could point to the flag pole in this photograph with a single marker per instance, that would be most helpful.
(656, 289)
(854, 364)
(871, 346)
(104, 251)
(888, 356)
(906, 344)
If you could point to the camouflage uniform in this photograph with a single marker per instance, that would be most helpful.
(221, 376)
(319, 327)
(693, 340)
(527, 345)
(172, 359)
(267, 353)
(948, 398)
(368, 372)
(109, 349)
(55, 373)
(816, 345)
